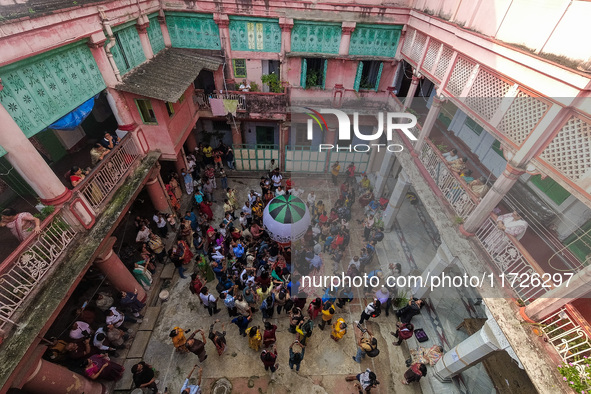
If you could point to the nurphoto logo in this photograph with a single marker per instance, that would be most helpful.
(394, 121)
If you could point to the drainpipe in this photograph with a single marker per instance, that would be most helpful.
(111, 43)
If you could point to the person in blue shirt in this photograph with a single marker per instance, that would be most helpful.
(239, 251)
(242, 322)
(192, 388)
(190, 216)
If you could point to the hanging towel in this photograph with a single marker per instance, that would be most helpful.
(217, 107)
(231, 106)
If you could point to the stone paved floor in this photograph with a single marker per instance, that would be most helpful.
(412, 243)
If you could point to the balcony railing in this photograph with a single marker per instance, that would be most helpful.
(460, 198)
(567, 332)
(97, 186)
(25, 268)
(202, 99)
(509, 255)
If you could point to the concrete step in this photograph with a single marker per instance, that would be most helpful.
(150, 318)
(140, 343)
(167, 271)
(126, 382)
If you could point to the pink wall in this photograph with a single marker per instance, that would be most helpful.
(171, 132)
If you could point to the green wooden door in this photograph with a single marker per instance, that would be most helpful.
(265, 135)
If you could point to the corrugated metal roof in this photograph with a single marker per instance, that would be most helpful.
(168, 74)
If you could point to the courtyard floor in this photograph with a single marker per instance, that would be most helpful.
(412, 242)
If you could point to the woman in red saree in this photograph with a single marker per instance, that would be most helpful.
(205, 207)
(187, 254)
(174, 202)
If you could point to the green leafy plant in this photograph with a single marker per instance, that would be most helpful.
(576, 376)
(254, 87)
(312, 79)
(458, 220)
(273, 82)
(45, 212)
(442, 147)
(401, 301)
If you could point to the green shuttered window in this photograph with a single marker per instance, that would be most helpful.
(255, 34)
(41, 89)
(155, 34)
(197, 31)
(316, 37)
(372, 40)
(128, 52)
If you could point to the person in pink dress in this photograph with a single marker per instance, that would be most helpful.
(21, 225)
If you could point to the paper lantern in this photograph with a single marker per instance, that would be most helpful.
(286, 219)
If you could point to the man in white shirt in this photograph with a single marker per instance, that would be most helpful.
(311, 199)
(161, 224)
(356, 262)
(80, 330)
(252, 196)
(276, 178)
(143, 235)
(279, 191)
(296, 191)
(117, 318)
(244, 86)
(209, 301)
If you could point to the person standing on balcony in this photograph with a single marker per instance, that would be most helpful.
(77, 175)
(509, 223)
(334, 171)
(21, 225)
(109, 141)
(244, 86)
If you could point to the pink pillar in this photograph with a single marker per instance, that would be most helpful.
(164, 29)
(492, 198)
(347, 29)
(157, 193)
(25, 159)
(142, 30)
(116, 272)
(236, 133)
(50, 378)
(429, 122)
(286, 25)
(181, 161)
(283, 141)
(411, 92)
(191, 142)
(223, 23)
(97, 48)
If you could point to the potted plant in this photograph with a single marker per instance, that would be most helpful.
(576, 376)
(273, 82)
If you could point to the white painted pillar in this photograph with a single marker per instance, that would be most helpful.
(443, 259)
(410, 95)
(384, 173)
(396, 200)
(468, 353)
(429, 123)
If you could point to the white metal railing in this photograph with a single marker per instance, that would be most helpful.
(97, 186)
(202, 99)
(510, 257)
(25, 268)
(451, 187)
(568, 338)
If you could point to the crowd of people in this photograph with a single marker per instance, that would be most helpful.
(237, 264)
